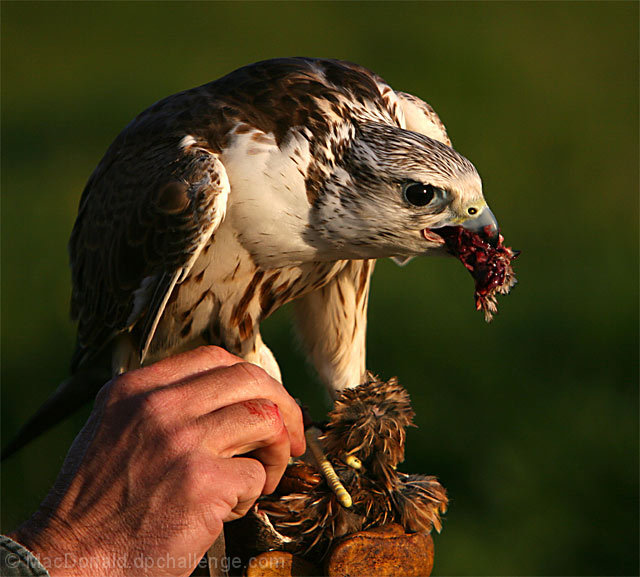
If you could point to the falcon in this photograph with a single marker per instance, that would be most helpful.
(282, 181)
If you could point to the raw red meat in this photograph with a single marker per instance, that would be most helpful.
(490, 266)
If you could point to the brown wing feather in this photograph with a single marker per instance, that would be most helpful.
(145, 214)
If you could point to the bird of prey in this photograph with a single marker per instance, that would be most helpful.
(282, 181)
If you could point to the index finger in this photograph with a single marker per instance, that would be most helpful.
(227, 386)
(179, 367)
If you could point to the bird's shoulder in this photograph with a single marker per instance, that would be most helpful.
(272, 96)
(277, 98)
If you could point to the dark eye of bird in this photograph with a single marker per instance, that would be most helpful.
(419, 194)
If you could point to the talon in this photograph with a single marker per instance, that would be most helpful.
(353, 462)
(327, 470)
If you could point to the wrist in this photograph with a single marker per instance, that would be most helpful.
(58, 549)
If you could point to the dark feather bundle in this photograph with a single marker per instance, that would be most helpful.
(364, 441)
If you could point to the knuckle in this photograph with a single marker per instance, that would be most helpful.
(253, 374)
(181, 441)
(254, 476)
(267, 416)
(275, 422)
(215, 354)
(196, 477)
(155, 406)
(275, 443)
(119, 388)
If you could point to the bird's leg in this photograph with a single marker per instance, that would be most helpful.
(325, 466)
(332, 323)
(259, 354)
(311, 435)
(249, 347)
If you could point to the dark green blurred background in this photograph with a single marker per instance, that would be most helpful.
(532, 422)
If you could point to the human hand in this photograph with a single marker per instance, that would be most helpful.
(156, 470)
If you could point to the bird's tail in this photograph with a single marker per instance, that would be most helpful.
(71, 394)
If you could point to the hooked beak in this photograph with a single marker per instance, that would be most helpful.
(484, 225)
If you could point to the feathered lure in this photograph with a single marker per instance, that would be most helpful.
(364, 441)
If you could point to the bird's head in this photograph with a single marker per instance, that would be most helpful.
(393, 189)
